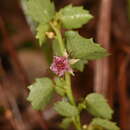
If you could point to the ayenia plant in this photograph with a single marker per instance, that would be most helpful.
(71, 52)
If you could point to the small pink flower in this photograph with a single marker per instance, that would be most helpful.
(60, 65)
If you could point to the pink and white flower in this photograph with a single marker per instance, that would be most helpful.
(60, 65)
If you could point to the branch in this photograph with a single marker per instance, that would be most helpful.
(9, 48)
(103, 37)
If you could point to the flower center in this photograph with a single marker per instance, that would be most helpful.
(60, 65)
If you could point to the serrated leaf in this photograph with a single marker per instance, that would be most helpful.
(74, 17)
(42, 11)
(82, 106)
(83, 48)
(41, 32)
(66, 123)
(40, 93)
(29, 20)
(79, 65)
(48, 52)
(106, 124)
(56, 48)
(66, 109)
(59, 86)
(97, 105)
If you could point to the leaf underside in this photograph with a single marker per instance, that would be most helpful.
(65, 109)
(106, 124)
(40, 93)
(97, 105)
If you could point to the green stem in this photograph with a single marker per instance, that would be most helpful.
(59, 37)
(68, 88)
(76, 120)
(69, 93)
(78, 127)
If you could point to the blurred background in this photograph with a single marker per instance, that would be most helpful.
(22, 60)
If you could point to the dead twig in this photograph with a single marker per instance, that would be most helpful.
(103, 37)
(122, 90)
(12, 113)
(9, 48)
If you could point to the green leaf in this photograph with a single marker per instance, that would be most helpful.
(79, 65)
(56, 48)
(82, 105)
(66, 109)
(66, 123)
(97, 105)
(41, 32)
(106, 124)
(42, 11)
(29, 20)
(73, 17)
(40, 93)
(47, 51)
(59, 86)
(83, 48)
(60, 91)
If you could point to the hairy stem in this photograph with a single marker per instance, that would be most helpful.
(68, 88)
(69, 93)
(76, 120)
(59, 37)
